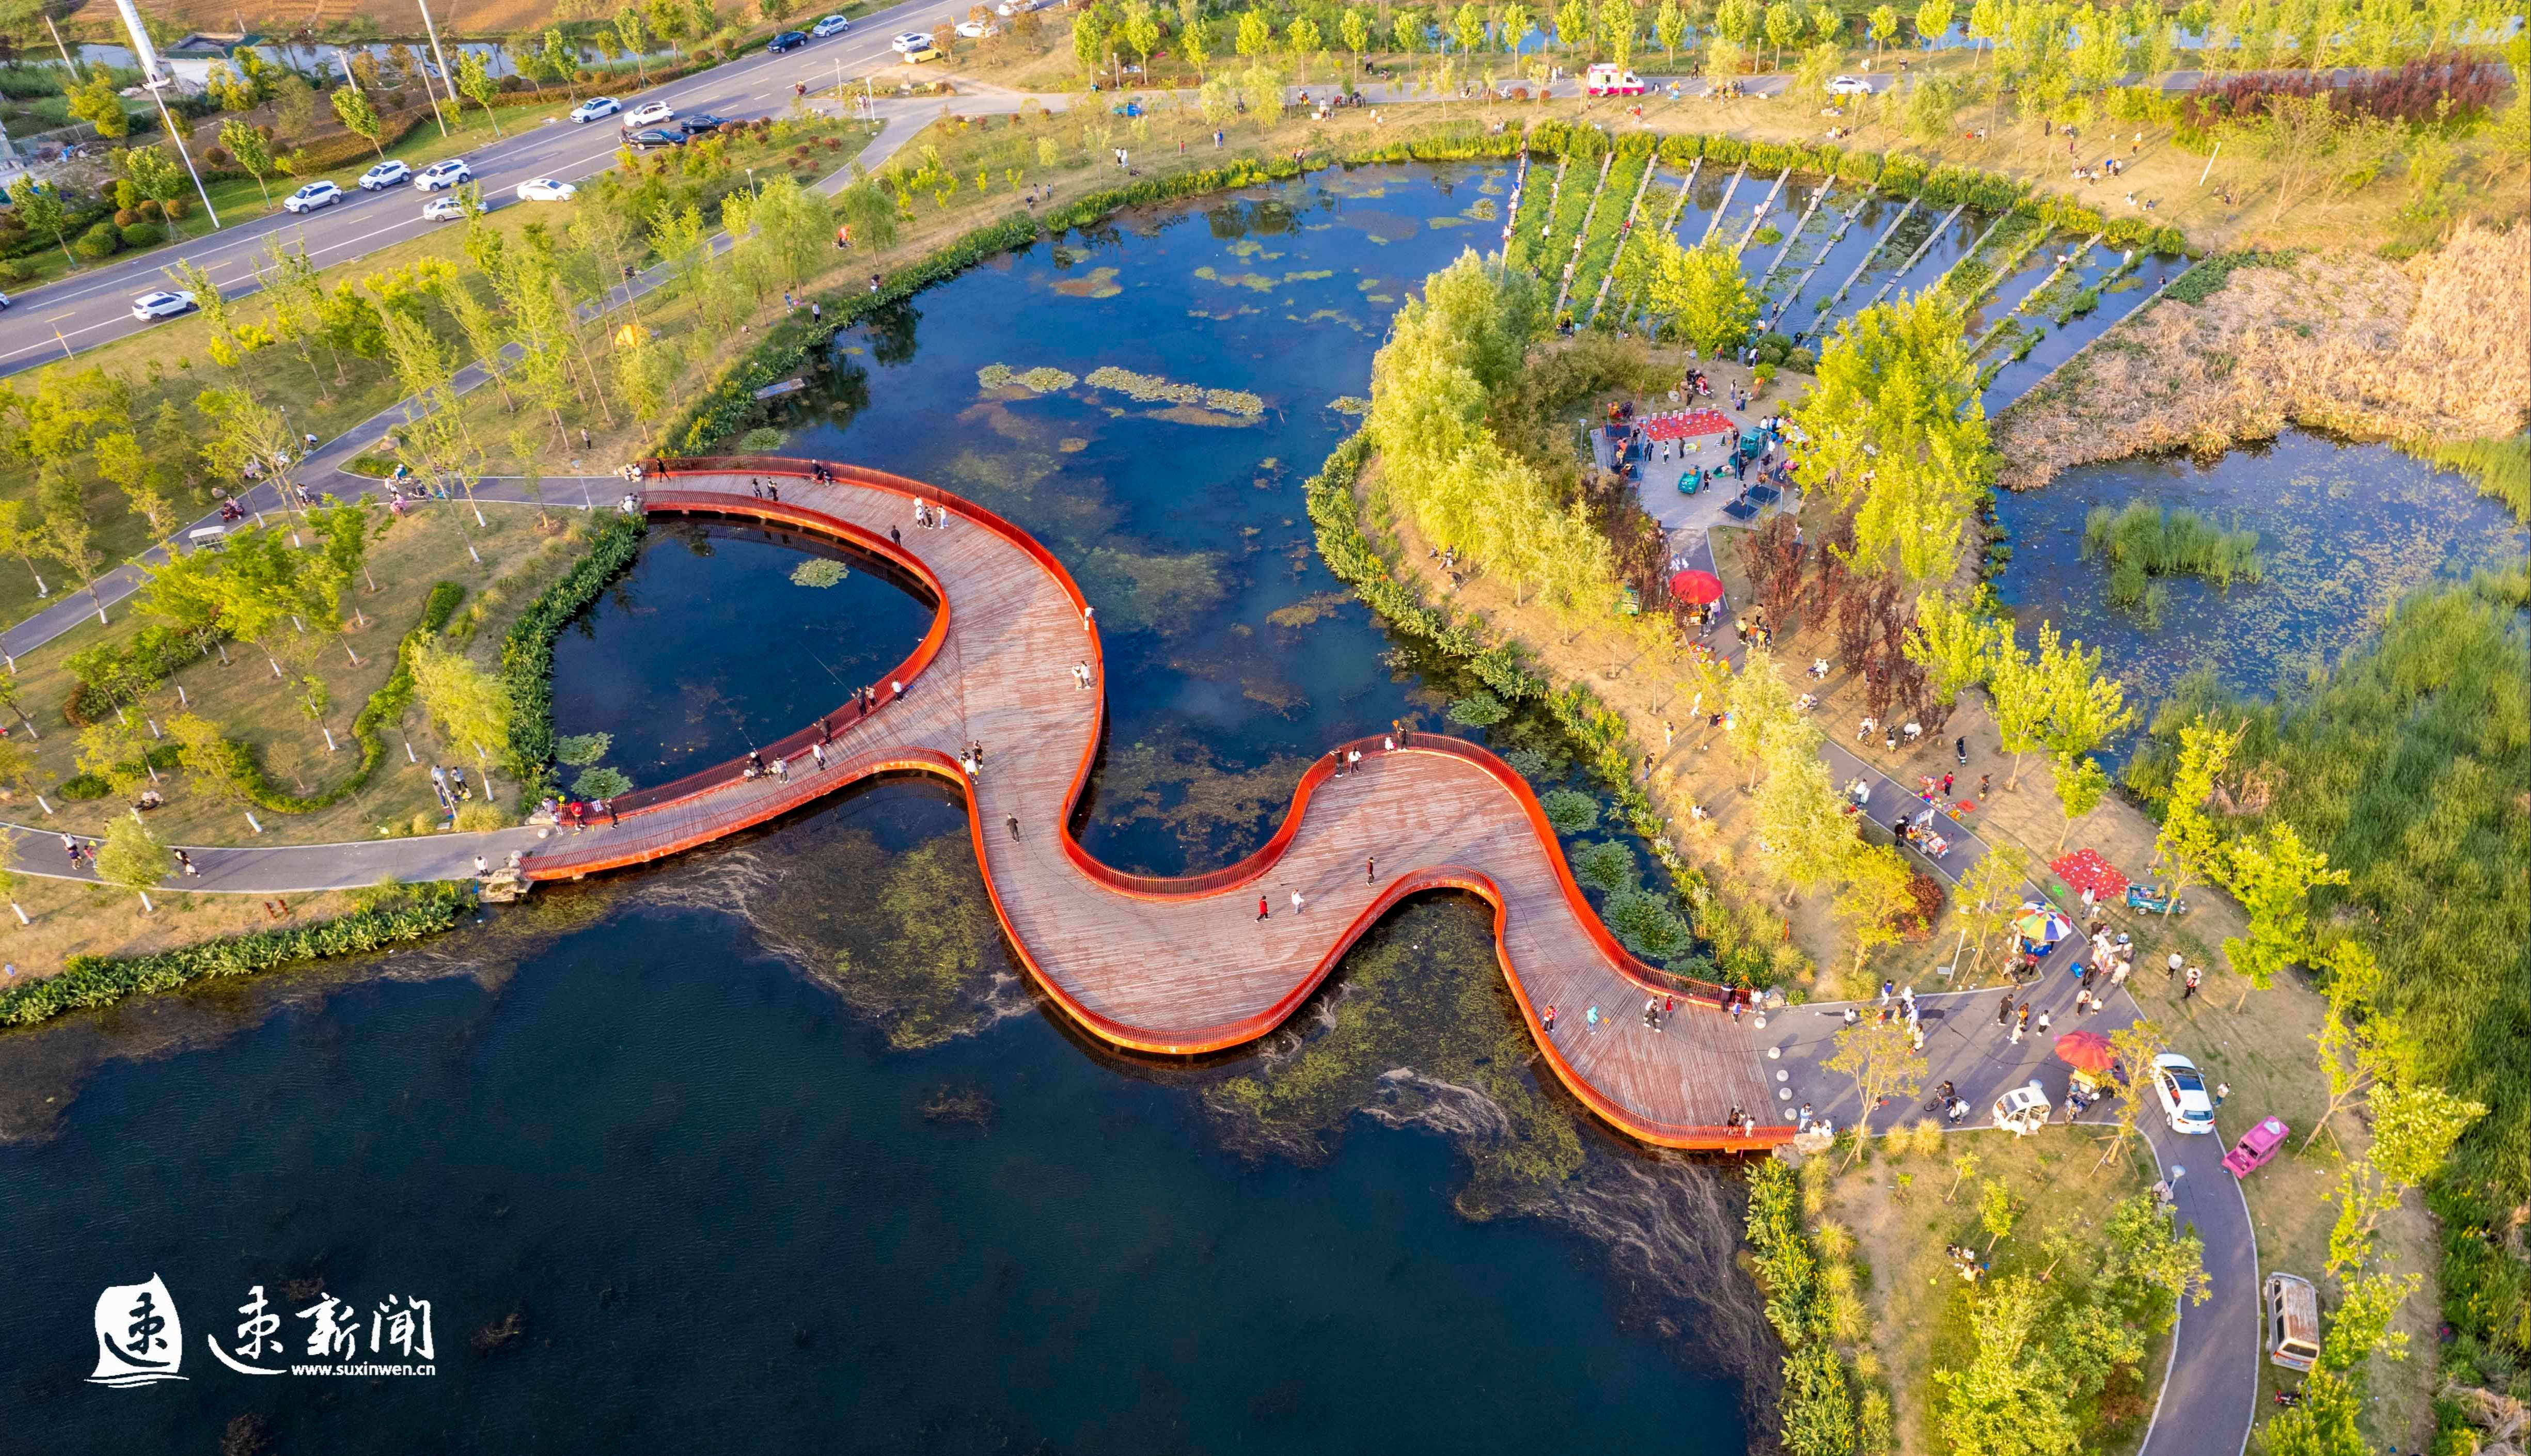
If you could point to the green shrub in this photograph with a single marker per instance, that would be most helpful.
(1478, 711)
(1605, 866)
(80, 787)
(527, 653)
(144, 235)
(1569, 810)
(87, 981)
(101, 242)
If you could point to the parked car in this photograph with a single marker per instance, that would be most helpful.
(911, 41)
(647, 113)
(385, 175)
(699, 123)
(2024, 1109)
(787, 40)
(2292, 1325)
(654, 138)
(450, 173)
(164, 303)
(834, 25)
(919, 54)
(314, 195)
(595, 107)
(444, 208)
(2185, 1103)
(546, 189)
(1611, 81)
(974, 30)
(4, 300)
(1848, 86)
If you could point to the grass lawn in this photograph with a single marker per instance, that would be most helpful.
(268, 713)
(68, 919)
(1897, 1212)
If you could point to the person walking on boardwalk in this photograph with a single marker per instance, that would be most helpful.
(1547, 1018)
(1370, 870)
(1296, 902)
(1260, 908)
(1590, 1017)
(1014, 822)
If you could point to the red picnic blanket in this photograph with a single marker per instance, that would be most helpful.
(2085, 869)
(1680, 424)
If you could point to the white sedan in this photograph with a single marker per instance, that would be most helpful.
(834, 25)
(1848, 86)
(443, 208)
(910, 42)
(161, 305)
(314, 195)
(546, 189)
(595, 107)
(2185, 1102)
(385, 175)
(973, 30)
(650, 114)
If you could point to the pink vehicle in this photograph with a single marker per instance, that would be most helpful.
(2256, 1146)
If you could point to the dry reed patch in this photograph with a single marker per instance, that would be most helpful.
(2436, 348)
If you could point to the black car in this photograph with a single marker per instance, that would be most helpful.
(695, 125)
(787, 40)
(653, 137)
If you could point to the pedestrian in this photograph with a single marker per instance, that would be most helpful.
(2043, 1023)
(1370, 870)
(185, 862)
(1296, 902)
(1886, 986)
(1804, 1123)
(1960, 747)
(817, 751)
(2188, 986)
(1947, 786)
(2118, 974)
(1260, 908)
(2221, 1091)
(2172, 967)
(1014, 821)
(2003, 1013)
(481, 868)
(1547, 1018)
(1986, 784)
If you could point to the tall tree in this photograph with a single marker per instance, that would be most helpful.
(359, 118)
(1897, 434)
(475, 80)
(1879, 1058)
(1699, 292)
(2189, 841)
(2273, 873)
(131, 858)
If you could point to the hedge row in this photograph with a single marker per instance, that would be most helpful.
(527, 653)
(385, 706)
(89, 981)
(1817, 1406)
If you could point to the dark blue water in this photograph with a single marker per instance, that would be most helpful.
(770, 1149)
(2344, 531)
(709, 647)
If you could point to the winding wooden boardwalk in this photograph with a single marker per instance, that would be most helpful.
(1183, 966)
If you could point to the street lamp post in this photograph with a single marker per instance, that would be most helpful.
(156, 75)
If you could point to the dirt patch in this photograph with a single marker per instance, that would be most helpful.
(2438, 348)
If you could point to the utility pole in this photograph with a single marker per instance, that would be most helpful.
(447, 78)
(156, 75)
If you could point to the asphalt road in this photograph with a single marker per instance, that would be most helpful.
(96, 307)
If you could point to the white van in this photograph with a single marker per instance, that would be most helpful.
(2292, 1325)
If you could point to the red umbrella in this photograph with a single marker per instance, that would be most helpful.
(2086, 1051)
(1696, 587)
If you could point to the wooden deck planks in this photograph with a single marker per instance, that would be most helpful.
(1186, 972)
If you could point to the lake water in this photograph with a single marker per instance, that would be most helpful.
(2344, 531)
(768, 1146)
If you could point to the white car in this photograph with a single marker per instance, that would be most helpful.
(973, 30)
(442, 209)
(546, 189)
(314, 195)
(595, 107)
(385, 175)
(834, 25)
(648, 114)
(1848, 86)
(438, 175)
(2185, 1102)
(910, 42)
(160, 305)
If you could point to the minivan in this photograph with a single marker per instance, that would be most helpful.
(2293, 1322)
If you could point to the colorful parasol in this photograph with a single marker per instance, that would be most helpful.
(2086, 1051)
(2042, 926)
(2085, 869)
(1696, 587)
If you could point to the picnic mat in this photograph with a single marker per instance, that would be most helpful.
(1682, 425)
(2085, 869)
